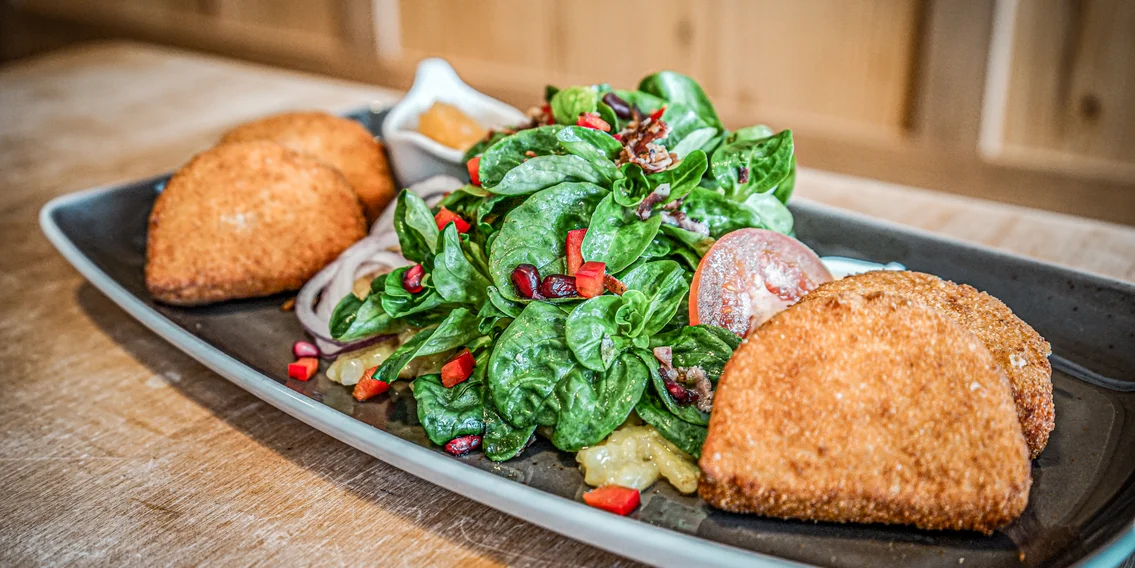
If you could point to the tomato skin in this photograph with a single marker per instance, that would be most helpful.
(749, 275)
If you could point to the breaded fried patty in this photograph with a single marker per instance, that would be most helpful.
(247, 219)
(340, 142)
(1020, 351)
(872, 409)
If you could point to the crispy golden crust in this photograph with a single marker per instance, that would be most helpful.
(1018, 349)
(247, 219)
(340, 142)
(873, 409)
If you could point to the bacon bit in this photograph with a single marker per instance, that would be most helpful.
(683, 221)
(702, 387)
(639, 147)
(646, 208)
(614, 285)
(665, 356)
(288, 305)
(743, 174)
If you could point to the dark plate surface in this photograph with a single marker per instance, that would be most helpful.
(1083, 494)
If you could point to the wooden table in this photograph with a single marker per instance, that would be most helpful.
(117, 448)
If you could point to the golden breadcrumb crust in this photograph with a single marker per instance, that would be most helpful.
(343, 143)
(871, 409)
(1020, 351)
(247, 219)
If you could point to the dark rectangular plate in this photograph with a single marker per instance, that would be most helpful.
(1081, 508)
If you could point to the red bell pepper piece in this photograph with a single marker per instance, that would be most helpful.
(654, 116)
(459, 368)
(445, 217)
(589, 279)
(574, 248)
(613, 498)
(303, 369)
(592, 120)
(369, 386)
(412, 279)
(474, 167)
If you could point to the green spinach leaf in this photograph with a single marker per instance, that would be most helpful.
(511, 151)
(590, 409)
(534, 232)
(617, 236)
(416, 228)
(571, 102)
(454, 277)
(456, 330)
(664, 285)
(446, 413)
(592, 334)
(680, 89)
(546, 171)
(768, 161)
(688, 437)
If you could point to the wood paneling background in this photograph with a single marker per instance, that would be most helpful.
(1026, 101)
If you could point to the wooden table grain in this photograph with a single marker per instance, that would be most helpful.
(119, 449)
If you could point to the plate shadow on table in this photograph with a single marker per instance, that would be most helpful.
(443, 513)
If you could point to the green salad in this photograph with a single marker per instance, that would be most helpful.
(557, 287)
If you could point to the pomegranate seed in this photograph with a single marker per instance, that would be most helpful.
(412, 279)
(679, 393)
(743, 174)
(462, 445)
(527, 281)
(558, 286)
(303, 349)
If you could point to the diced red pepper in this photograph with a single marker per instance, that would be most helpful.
(445, 217)
(459, 368)
(617, 136)
(368, 386)
(654, 116)
(412, 279)
(589, 279)
(304, 368)
(474, 167)
(574, 247)
(592, 120)
(613, 498)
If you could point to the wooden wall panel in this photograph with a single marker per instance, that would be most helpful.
(1069, 89)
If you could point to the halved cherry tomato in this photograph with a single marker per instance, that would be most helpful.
(613, 498)
(749, 275)
(445, 217)
(474, 167)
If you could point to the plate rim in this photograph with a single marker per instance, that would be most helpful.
(652, 544)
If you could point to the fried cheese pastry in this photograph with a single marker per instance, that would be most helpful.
(341, 142)
(870, 409)
(1020, 351)
(247, 219)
